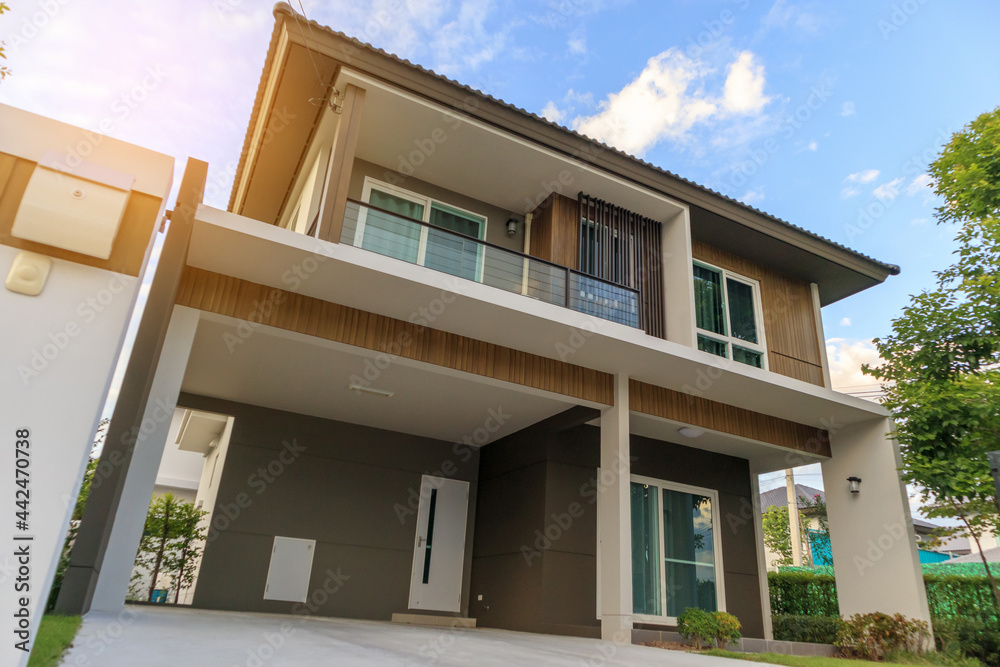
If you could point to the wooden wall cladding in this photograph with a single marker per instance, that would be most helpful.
(669, 404)
(793, 345)
(241, 299)
(555, 231)
(134, 233)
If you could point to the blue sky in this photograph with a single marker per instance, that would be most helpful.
(812, 111)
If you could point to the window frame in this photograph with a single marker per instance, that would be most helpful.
(427, 202)
(729, 340)
(720, 588)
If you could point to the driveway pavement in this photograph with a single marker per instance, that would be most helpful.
(151, 636)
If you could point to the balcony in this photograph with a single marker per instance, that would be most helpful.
(449, 251)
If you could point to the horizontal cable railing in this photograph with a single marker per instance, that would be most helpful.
(418, 242)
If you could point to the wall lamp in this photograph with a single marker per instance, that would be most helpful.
(511, 226)
(855, 484)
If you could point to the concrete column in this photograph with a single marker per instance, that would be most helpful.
(126, 531)
(871, 533)
(758, 524)
(614, 509)
(678, 280)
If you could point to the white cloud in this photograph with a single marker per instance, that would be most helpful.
(845, 322)
(669, 98)
(552, 112)
(846, 358)
(866, 176)
(753, 197)
(577, 43)
(889, 191)
(784, 14)
(744, 89)
(812, 146)
(920, 222)
(921, 183)
(847, 109)
(849, 191)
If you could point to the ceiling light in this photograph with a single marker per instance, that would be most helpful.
(690, 432)
(370, 390)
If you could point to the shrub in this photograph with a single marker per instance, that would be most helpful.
(698, 625)
(811, 629)
(960, 596)
(969, 637)
(727, 628)
(871, 636)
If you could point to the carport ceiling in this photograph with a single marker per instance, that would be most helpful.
(287, 371)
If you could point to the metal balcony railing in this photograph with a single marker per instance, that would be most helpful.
(421, 243)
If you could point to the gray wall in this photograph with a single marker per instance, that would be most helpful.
(530, 476)
(346, 490)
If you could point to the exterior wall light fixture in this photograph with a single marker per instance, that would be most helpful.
(511, 226)
(855, 484)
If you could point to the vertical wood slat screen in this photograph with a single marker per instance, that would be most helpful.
(623, 247)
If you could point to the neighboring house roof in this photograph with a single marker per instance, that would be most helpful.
(992, 556)
(778, 497)
(283, 8)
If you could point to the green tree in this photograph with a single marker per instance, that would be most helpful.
(939, 371)
(777, 535)
(171, 541)
(4, 70)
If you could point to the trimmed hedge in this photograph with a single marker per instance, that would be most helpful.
(812, 629)
(972, 638)
(803, 594)
(955, 596)
(800, 593)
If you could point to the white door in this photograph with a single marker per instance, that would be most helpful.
(439, 545)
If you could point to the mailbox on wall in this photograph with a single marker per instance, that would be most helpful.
(78, 208)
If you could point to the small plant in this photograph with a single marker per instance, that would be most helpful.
(872, 636)
(697, 625)
(727, 628)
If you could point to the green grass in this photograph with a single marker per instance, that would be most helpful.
(54, 636)
(812, 661)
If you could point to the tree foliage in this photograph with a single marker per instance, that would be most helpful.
(172, 540)
(940, 368)
(778, 534)
(4, 70)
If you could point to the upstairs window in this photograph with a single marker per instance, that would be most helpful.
(727, 314)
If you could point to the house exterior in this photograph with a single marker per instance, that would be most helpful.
(463, 362)
(817, 545)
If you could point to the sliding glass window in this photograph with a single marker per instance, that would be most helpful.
(676, 557)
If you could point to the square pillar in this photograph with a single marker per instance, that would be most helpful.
(140, 478)
(874, 546)
(615, 525)
(333, 203)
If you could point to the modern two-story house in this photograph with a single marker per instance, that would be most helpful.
(446, 358)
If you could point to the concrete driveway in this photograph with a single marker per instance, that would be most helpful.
(149, 636)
